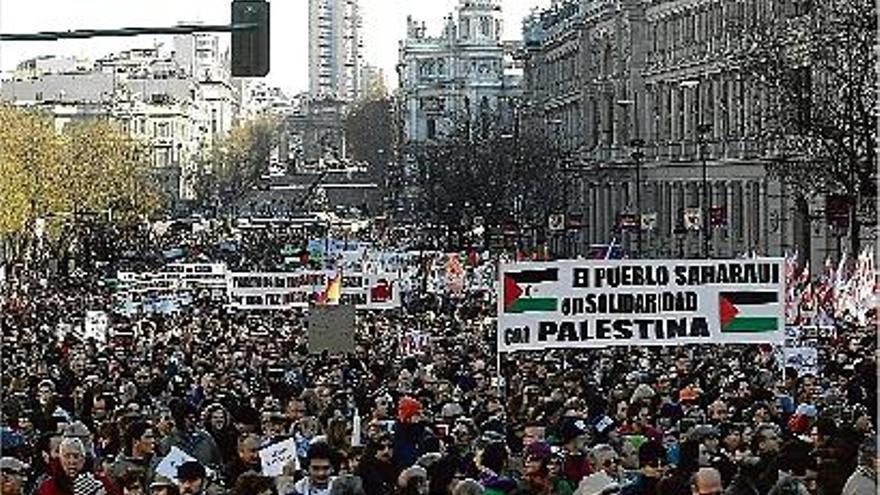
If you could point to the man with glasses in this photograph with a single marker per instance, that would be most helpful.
(706, 481)
(605, 475)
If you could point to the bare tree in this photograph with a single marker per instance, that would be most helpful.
(816, 62)
(479, 170)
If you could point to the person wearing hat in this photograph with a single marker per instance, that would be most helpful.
(13, 474)
(410, 433)
(191, 478)
(652, 464)
(573, 435)
(162, 486)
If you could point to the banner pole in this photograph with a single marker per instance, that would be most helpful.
(498, 376)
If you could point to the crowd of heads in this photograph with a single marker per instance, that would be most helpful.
(454, 418)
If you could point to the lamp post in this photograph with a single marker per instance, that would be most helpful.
(637, 156)
(703, 130)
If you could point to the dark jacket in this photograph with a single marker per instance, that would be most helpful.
(409, 443)
(642, 485)
(379, 478)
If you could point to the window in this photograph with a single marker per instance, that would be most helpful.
(484, 26)
(465, 28)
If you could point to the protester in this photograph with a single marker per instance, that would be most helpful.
(71, 478)
(12, 476)
(707, 481)
(222, 385)
(320, 471)
(864, 480)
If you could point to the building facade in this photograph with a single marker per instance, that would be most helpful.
(641, 89)
(335, 49)
(466, 74)
(463, 73)
(180, 102)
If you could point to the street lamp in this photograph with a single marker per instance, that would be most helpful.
(637, 156)
(702, 131)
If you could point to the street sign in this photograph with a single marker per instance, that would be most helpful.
(627, 221)
(717, 216)
(649, 221)
(556, 222)
(692, 218)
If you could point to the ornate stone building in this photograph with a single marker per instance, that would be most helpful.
(466, 73)
(637, 87)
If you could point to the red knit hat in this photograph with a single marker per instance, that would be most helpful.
(407, 408)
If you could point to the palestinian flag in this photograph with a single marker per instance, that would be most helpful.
(528, 291)
(749, 312)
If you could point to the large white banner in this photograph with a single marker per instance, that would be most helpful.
(600, 303)
(289, 290)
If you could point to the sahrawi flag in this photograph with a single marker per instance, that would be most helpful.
(530, 290)
(749, 312)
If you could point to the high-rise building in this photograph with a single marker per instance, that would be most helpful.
(335, 49)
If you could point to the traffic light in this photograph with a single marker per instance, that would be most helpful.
(250, 47)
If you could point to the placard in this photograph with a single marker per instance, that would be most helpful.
(95, 326)
(274, 457)
(804, 359)
(593, 303)
(167, 467)
(331, 329)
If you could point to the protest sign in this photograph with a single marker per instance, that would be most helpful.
(297, 289)
(95, 326)
(167, 467)
(412, 343)
(274, 457)
(593, 303)
(331, 328)
(803, 359)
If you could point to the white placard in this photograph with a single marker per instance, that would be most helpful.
(95, 326)
(804, 359)
(167, 467)
(274, 457)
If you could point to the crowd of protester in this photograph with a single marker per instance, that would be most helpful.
(84, 418)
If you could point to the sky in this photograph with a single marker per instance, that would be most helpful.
(384, 26)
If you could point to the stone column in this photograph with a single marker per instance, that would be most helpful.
(763, 223)
(729, 213)
(748, 240)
